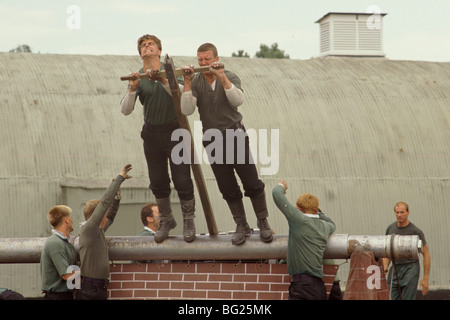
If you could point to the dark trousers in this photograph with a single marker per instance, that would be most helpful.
(158, 148)
(92, 289)
(59, 295)
(236, 158)
(306, 287)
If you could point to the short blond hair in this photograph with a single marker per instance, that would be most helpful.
(89, 208)
(56, 214)
(308, 203)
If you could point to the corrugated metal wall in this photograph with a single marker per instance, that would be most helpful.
(361, 134)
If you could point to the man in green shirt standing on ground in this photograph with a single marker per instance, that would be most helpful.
(58, 255)
(309, 230)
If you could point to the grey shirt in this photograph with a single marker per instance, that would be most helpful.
(410, 229)
(214, 108)
(93, 247)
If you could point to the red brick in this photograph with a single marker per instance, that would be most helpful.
(181, 285)
(121, 294)
(183, 268)
(169, 294)
(121, 276)
(158, 285)
(231, 286)
(159, 267)
(257, 286)
(208, 268)
(220, 277)
(233, 268)
(195, 277)
(146, 293)
(146, 276)
(270, 278)
(258, 268)
(279, 287)
(133, 267)
(270, 295)
(207, 285)
(224, 295)
(133, 285)
(115, 268)
(245, 278)
(244, 295)
(278, 269)
(171, 276)
(194, 294)
(115, 285)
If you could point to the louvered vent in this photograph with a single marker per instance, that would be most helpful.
(351, 34)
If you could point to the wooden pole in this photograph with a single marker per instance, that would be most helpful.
(170, 73)
(162, 74)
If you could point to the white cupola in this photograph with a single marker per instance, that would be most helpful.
(351, 34)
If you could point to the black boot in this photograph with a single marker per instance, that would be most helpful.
(260, 207)
(167, 222)
(188, 209)
(242, 227)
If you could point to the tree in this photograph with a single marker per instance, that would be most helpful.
(273, 52)
(21, 48)
(240, 54)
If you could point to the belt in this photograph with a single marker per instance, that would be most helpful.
(304, 277)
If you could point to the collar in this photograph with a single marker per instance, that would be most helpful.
(315, 216)
(62, 236)
(148, 229)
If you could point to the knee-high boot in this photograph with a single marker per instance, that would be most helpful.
(188, 211)
(242, 227)
(167, 222)
(260, 207)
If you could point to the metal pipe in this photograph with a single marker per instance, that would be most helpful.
(205, 247)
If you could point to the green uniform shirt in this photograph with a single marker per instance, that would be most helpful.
(157, 102)
(308, 237)
(146, 232)
(57, 255)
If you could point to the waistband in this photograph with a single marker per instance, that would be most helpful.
(304, 277)
(99, 283)
(174, 124)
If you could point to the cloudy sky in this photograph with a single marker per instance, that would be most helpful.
(413, 29)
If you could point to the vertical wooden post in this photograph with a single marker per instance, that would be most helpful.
(196, 169)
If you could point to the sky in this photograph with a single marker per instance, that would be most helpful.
(413, 29)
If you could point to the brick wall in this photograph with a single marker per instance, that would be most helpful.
(222, 280)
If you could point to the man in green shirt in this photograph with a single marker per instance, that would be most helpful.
(160, 121)
(309, 230)
(58, 255)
